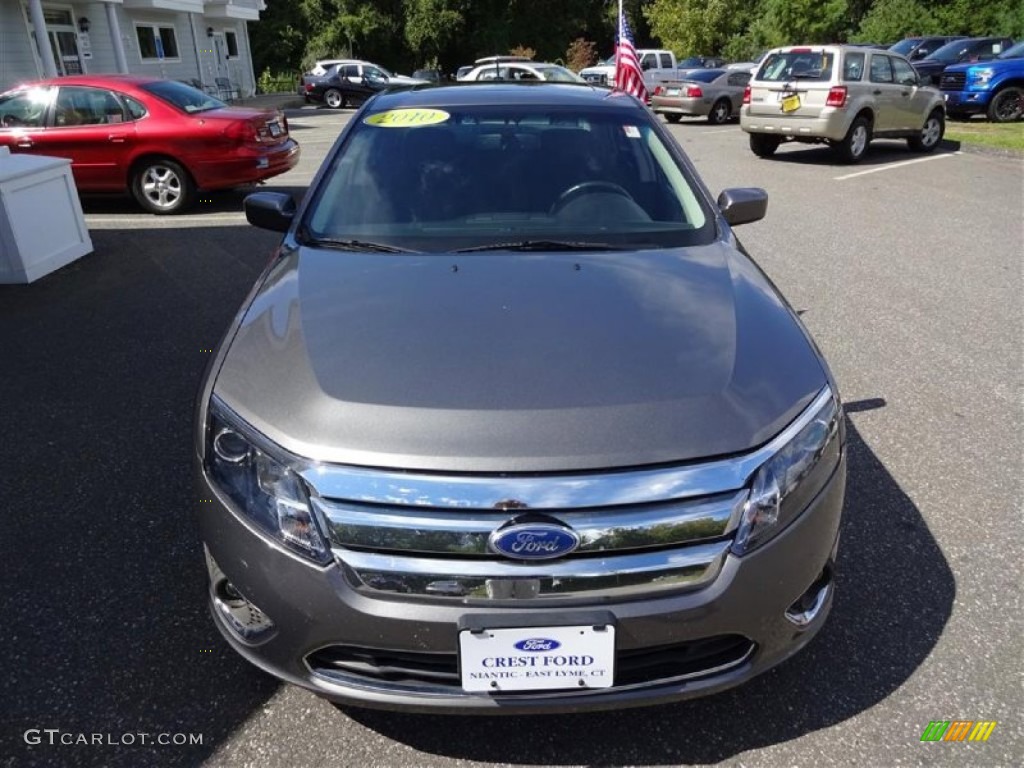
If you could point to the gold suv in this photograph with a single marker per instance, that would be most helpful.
(842, 95)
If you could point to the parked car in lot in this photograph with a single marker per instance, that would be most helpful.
(161, 140)
(658, 65)
(610, 472)
(713, 93)
(915, 48)
(699, 62)
(522, 70)
(434, 76)
(844, 96)
(345, 83)
(969, 49)
(994, 88)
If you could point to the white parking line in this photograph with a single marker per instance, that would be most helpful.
(724, 130)
(890, 166)
(96, 221)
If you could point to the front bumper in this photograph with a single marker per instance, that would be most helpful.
(964, 103)
(831, 124)
(313, 608)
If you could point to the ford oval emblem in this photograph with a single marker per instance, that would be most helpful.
(534, 541)
(537, 644)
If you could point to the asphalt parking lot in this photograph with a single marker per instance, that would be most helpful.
(909, 272)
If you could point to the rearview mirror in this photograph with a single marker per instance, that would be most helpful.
(270, 210)
(741, 205)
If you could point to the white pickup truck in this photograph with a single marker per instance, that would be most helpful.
(659, 66)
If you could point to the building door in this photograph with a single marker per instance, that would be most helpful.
(220, 54)
(65, 51)
(60, 28)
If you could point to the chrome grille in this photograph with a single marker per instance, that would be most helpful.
(443, 532)
(642, 532)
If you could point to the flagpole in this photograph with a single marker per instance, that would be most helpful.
(618, 44)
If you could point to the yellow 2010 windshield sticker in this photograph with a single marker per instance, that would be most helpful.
(407, 118)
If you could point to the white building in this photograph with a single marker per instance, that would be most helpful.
(201, 40)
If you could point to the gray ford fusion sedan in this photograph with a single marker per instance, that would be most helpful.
(512, 423)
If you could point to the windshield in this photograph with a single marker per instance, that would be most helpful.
(558, 74)
(481, 176)
(950, 51)
(184, 97)
(1014, 52)
(903, 47)
(803, 64)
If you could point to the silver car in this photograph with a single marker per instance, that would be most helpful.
(511, 422)
(844, 96)
(713, 93)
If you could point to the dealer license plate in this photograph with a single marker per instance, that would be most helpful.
(790, 103)
(672, 92)
(275, 128)
(537, 658)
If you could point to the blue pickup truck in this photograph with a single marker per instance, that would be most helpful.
(994, 87)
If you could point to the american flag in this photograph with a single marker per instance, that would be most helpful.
(628, 75)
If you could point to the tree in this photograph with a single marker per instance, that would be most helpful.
(698, 27)
(580, 54)
(788, 22)
(892, 20)
(432, 26)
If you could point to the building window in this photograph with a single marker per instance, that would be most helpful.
(232, 41)
(156, 42)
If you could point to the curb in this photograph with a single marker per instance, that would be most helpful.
(980, 149)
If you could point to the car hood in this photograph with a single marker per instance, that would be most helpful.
(406, 80)
(513, 362)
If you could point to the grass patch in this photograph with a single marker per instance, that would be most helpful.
(1001, 135)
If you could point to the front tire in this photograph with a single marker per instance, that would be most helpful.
(1007, 106)
(334, 98)
(720, 112)
(763, 145)
(855, 144)
(672, 118)
(163, 187)
(931, 134)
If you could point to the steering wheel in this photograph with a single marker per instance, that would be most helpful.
(587, 188)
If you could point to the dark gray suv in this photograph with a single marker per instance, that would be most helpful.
(512, 423)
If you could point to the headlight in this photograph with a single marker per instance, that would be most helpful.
(785, 484)
(263, 489)
(980, 75)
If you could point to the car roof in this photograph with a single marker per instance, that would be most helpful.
(491, 93)
(105, 81)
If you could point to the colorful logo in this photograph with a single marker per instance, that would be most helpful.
(958, 730)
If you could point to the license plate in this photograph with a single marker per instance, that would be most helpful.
(275, 129)
(537, 658)
(790, 103)
(672, 92)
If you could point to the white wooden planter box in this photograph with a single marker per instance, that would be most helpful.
(41, 223)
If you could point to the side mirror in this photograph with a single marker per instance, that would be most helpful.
(645, 66)
(741, 205)
(270, 210)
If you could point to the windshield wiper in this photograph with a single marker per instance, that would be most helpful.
(358, 245)
(541, 245)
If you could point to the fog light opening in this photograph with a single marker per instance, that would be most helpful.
(808, 606)
(241, 616)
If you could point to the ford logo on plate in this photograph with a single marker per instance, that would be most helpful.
(534, 541)
(538, 644)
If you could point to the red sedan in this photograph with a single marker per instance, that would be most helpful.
(160, 139)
